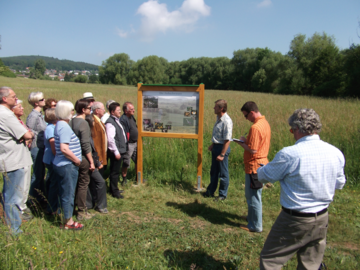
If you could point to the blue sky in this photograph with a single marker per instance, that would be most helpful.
(91, 31)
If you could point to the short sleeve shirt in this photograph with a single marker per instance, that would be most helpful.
(48, 154)
(14, 154)
(64, 134)
(222, 129)
(258, 139)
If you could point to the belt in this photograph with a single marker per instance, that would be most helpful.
(299, 214)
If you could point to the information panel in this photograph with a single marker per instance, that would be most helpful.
(170, 111)
(173, 112)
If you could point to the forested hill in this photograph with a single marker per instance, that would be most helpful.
(21, 62)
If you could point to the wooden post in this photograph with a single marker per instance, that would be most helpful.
(140, 139)
(200, 136)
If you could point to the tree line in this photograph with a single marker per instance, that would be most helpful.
(313, 66)
(22, 62)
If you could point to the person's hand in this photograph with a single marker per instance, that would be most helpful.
(219, 158)
(77, 164)
(118, 156)
(211, 147)
(243, 139)
(92, 167)
(101, 166)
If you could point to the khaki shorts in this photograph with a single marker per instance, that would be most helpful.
(130, 154)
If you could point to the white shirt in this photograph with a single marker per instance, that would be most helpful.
(222, 129)
(308, 172)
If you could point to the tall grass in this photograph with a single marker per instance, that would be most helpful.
(165, 224)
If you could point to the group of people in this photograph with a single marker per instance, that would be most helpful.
(308, 173)
(74, 144)
(75, 149)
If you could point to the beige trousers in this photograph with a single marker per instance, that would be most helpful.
(305, 236)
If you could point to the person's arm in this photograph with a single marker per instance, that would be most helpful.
(223, 151)
(340, 178)
(84, 132)
(52, 145)
(211, 147)
(27, 136)
(251, 144)
(64, 148)
(110, 133)
(277, 169)
(245, 146)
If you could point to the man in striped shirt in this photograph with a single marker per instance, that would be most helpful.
(256, 147)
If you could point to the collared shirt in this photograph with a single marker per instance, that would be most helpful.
(222, 130)
(308, 172)
(14, 154)
(111, 131)
(105, 117)
(37, 125)
(259, 140)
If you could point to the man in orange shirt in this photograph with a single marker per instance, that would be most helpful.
(256, 147)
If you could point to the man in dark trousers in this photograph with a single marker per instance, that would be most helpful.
(117, 147)
(129, 123)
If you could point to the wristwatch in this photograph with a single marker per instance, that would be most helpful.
(221, 155)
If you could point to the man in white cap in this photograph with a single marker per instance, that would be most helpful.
(89, 96)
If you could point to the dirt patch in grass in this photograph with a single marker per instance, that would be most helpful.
(346, 245)
(133, 217)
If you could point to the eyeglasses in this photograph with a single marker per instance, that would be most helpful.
(42, 99)
(89, 108)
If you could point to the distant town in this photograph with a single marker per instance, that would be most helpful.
(52, 73)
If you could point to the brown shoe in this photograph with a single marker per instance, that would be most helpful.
(245, 228)
(83, 215)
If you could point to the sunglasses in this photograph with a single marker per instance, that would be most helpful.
(42, 99)
(246, 116)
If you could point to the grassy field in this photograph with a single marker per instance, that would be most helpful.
(165, 224)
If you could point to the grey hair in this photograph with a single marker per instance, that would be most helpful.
(17, 103)
(4, 92)
(96, 105)
(307, 121)
(109, 102)
(63, 110)
(34, 97)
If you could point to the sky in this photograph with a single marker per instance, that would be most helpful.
(92, 31)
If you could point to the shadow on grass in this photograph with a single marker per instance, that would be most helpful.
(194, 260)
(210, 214)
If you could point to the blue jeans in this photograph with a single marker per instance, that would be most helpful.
(12, 196)
(67, 176)
(52, 188)
(37, 188)
(253, 199)
(219, 169)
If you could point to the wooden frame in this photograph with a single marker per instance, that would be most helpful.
(199, 136)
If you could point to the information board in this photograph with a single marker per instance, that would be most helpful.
(170, 111)
(174, 112)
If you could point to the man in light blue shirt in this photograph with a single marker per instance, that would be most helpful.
(220, 151)
(308, 172)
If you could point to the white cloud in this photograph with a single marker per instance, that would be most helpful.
(264, 3)
(156, 18)
(122, 33)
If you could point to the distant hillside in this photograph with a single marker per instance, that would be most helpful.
(21, 62)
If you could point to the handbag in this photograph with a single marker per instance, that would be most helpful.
(254, 182)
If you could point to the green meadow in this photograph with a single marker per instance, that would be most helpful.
(165, 223)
